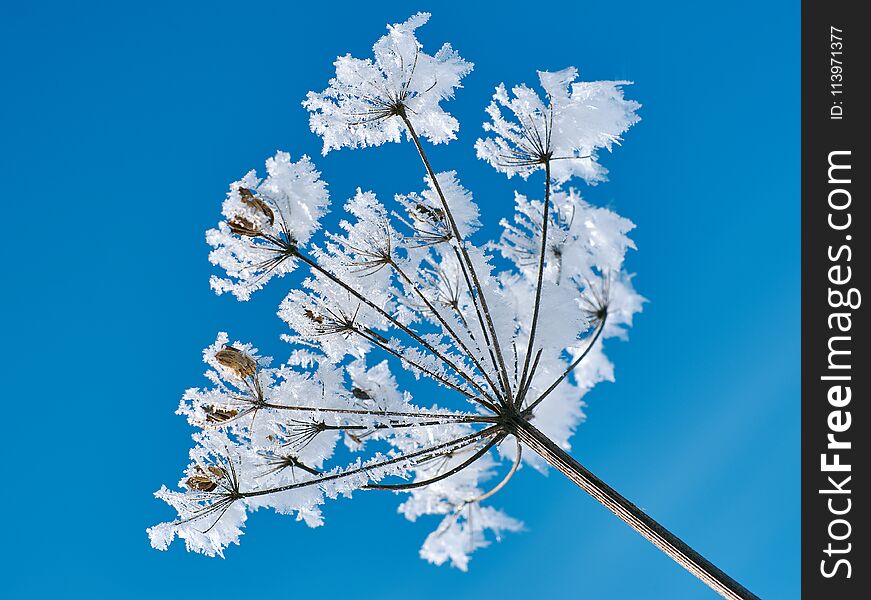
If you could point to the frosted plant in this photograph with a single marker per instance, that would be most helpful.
(509, 334)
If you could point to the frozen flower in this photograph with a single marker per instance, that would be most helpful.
(574, 121)
(359, 107)
(509, 348)
(265, 224)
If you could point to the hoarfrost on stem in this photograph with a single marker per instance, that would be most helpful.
(505, 332)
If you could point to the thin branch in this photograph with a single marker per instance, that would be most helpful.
(435, 376)
(445, 475)
(354, 427)
(446, 417)
(537, 305)
(315, 266)
(462, 248)
(477, 499)
(445, 324)
(461, 442)
(528, 383)
(517, 456)
(487, 342)
(569, 369)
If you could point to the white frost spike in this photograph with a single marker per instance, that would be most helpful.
(274, 216)
(461, 534)
(361, 106)
(570, 125)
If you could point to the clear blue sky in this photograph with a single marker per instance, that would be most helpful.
(123, 125)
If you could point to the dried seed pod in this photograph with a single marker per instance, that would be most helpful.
(361, 394)
(430, 213)
(313, 316)
(244, 227)
(200, 483)
(217, 472)
(237, 361)
(261, 209)
(257, 204)
(203, 482)
(216, 414)
(258, 216)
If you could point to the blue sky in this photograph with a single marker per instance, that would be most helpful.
(123, 125)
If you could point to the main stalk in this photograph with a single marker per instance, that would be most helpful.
(633, 516)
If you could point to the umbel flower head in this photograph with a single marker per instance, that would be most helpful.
(566, 128)
(368, 98)
(500, 341)
(265, 222)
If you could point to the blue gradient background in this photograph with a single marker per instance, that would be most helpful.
(123, 125)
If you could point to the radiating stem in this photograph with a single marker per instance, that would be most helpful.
(487, 343)
(447, 447)
(417, 484)
(436, 376)
(633, 516)
(537, 305)
(379, 426)
(315, 266)
(445, 324)
(478, 289)
(447, 417)
(569, 369)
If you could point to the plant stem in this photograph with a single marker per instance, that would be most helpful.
(450, 446)
(537, 306)
(485, 335)
(416, 484)
(445, 325)
(316, 267)
(569, 369)
(430, 373)
(447, 417)
(462, 248)
(633, 516)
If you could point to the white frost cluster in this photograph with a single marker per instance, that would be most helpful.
(571, 124)
(359, 106)
(285, 208)
(493, 331)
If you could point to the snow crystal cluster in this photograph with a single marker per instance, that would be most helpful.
(510, 329)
